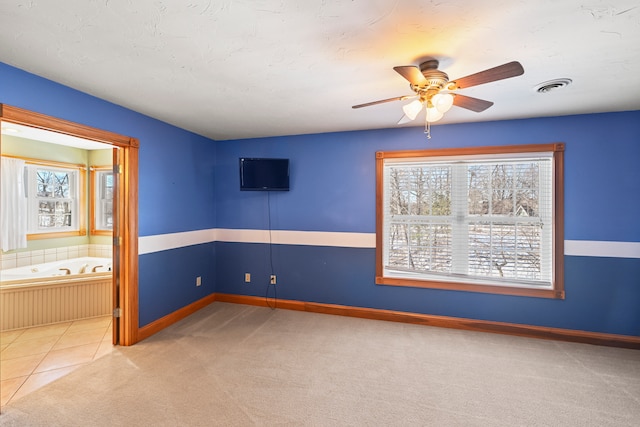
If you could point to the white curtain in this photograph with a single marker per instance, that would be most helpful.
(13, 205)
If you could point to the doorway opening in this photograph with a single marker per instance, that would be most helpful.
(125, 211)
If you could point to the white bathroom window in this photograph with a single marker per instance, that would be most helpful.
(102, 188)
(55, 194)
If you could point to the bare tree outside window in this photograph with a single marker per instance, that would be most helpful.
(497, 248)
(471, 219)
(420, 199)
(54, 201)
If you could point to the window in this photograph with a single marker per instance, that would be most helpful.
(102, 186)
(54, 197)
(483, 219)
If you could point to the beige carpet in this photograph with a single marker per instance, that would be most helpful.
(234, 365)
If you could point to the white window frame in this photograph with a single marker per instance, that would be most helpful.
(454, 273)
(76, 199)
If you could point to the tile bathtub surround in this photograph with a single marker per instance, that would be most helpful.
(50, 255)
(39, 256)
(102, 251)
(23, 258)
(8, 261)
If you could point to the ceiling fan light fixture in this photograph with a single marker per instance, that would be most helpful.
(412, 109)
(442, 102)
(433, 115)
(427, 81)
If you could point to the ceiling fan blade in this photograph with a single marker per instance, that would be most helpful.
(505, 71)
(382, 101)
(412, 74)
(473, 104)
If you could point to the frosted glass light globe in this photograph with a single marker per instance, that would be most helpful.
(433, 115)
(442, 102)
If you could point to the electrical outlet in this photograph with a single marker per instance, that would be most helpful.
(198, 281)
(273, 279)
(247, 277)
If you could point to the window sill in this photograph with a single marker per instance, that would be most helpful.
(56, 235)
(469, 287)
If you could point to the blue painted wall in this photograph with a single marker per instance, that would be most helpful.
(176, 188)
(333, 189)
(167, 279)
(188, 183)
(333, 175)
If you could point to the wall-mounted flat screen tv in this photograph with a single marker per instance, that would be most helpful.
(262, 174)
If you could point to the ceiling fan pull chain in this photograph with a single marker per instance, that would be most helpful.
(427, 129)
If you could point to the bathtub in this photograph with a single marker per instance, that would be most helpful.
(55, 292)
(51, 271)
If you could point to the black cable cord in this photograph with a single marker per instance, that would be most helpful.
(269, 284)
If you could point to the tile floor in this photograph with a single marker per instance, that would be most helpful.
(33, 357)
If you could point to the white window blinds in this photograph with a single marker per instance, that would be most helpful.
(477, 219)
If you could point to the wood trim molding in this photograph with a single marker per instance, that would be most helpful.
(93, 171)
(558, 220)
(42, 121)
(168, 320)
(127, 235)
(462, 151)
(458, 286)
(529, 331)
(57, 234)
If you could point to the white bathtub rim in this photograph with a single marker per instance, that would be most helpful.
(45, 271)
(53, 281)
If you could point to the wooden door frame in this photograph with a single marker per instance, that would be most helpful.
(126, 211)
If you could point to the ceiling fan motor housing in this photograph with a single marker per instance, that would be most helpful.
(435, 79)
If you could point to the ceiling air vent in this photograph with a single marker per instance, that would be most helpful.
(552, 85)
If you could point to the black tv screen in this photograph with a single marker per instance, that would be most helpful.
(264, 174)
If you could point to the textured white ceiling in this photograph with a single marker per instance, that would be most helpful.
(253, 68)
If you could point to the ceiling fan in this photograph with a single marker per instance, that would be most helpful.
(436, 93)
